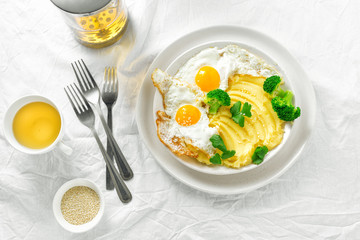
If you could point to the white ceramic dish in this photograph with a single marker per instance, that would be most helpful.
(281, 158)
(57, 205)
(9, 118)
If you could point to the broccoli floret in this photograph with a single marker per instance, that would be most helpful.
(272, 86)
(284, 108)
(282, 100)
(217, 98)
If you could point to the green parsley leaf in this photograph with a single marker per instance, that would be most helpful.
(259, 154)
(228, 154)
(246, 110)
(235, 109)
(215, 159)
(239, 119)
(218, 143)
(237, 115)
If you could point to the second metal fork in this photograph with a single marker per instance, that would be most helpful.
(92, 94)
(109, 95)
(87, 117)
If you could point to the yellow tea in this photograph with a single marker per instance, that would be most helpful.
(102, 29)
(95, 23)
(36, 125)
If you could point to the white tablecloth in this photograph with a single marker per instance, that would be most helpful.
(318, 198)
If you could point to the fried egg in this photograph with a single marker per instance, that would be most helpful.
(184, 125)
(211, 68)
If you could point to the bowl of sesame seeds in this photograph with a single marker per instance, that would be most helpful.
(78, 205)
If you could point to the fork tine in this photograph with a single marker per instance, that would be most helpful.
(67, 89)
(77, 98)
(82, 85)
(104, 82)
(111, 79)
(84, 75)
(116, 87)
(81, 106)
(85, 82)
(107, 74)
(89, 74)
(83, 98)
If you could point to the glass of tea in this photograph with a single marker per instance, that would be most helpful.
(95, 23)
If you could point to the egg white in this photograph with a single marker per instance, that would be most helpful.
(176, 94)
(228, 61)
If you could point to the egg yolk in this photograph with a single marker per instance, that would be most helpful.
(187, 115)
(207, 79)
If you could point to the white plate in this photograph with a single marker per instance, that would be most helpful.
(284, 157)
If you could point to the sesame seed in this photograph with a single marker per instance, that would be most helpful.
(80, 205)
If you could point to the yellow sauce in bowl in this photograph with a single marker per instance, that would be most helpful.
(36, 125)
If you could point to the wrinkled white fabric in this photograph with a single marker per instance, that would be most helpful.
(318, 198)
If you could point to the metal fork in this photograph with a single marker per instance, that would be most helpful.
(109, 95)
(87, 117)
(92, 94)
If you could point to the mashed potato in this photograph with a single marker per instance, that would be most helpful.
(263, 128)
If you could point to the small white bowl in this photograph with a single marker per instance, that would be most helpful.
(9, 118)
(57, 205)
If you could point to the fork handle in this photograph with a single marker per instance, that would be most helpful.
(109, 184)
(121, 188)
(123, 165)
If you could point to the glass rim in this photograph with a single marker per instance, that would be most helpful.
(82, 13)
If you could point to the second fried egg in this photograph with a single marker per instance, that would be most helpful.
(186, 117)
